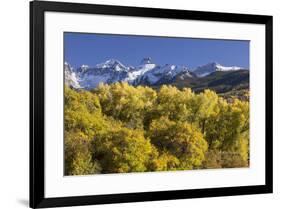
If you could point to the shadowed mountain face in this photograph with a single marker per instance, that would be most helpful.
(213, 76)
(220, 81)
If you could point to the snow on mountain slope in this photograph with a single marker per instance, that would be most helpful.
(70, 76)
(112, 64)
(81, 69)
(108, 72)
(186, 74)
(147, 73)
(145, 66)
(159, 75)
(209, 68)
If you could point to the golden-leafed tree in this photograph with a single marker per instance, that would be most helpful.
(180, 139)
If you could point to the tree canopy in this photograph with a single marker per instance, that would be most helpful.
(120, 128)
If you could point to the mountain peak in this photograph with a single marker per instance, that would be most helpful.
(112, 61)
(211, 67)
(82, 69)
(113, 64)
(147, 73)
(84, 66)
(146, 60)
(211, 64)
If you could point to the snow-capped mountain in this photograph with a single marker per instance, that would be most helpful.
(146, 73)
(70, 76)
(110, 71)
(136, 73)
(160, 75)
(209, 68)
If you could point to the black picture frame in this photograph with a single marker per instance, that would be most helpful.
(37, 115)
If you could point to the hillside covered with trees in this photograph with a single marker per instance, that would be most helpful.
(120, 128)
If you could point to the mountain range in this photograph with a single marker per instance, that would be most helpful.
(211, 75)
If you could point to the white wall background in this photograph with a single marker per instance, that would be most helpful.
(14, 104)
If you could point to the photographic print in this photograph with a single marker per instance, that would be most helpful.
(137, 103)
(124, 98)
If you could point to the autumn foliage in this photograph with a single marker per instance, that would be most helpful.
(120, 128)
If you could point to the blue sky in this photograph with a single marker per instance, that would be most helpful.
(91, 49)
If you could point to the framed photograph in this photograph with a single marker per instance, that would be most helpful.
(133, 104)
